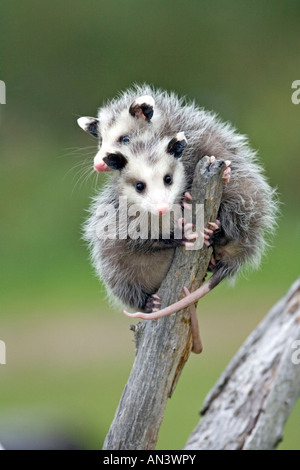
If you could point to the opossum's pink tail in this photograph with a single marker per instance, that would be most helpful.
(181, 304)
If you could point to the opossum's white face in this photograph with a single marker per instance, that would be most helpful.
(121, 129)
(151, 175)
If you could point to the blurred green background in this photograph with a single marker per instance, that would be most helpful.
(68, 354)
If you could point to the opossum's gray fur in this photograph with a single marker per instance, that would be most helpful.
(133, 271)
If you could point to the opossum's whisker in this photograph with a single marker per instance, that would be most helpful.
(84, 174)
(81, 170)
(79, 151)
(75, 167)
(87, 176)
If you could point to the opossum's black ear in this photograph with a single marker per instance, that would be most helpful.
(89, 124)
(143, 107)
(115, 161)
(177, 145)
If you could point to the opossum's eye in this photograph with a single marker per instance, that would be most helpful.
(168, 179)
(124, 139)
(140, 187)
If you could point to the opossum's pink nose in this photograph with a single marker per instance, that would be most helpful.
(101, 166)
(162, 208)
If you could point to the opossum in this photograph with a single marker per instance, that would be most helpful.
(152, 179)
(153, 140)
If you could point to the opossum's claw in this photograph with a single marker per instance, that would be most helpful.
(155, 296)
(188, 195)
(153, 304)
(188, 232)
(186, 201)
(227, 171)
(215, 225)
(208, 232)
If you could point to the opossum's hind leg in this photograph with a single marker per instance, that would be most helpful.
(181, 304)
(153, 304)
(210, 230)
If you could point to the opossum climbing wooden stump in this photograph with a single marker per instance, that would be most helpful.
(163, 346)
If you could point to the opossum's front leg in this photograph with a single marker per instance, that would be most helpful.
(187, 229)
(188, 234)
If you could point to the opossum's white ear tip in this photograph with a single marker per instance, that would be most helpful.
(177, 145)
(145, 99)
(142, 107)
(89, 124)
(181, 136)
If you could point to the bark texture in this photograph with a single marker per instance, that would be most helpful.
(248, 407)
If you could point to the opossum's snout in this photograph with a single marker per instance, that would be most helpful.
(100, 167)
(160, 208)
(99, 164)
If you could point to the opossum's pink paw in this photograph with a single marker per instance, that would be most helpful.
(186, 201)
(153, 304)
(209, 231)
(227, 171)
(188, 233)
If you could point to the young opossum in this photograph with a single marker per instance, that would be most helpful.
(151, 178)
(141, 139)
